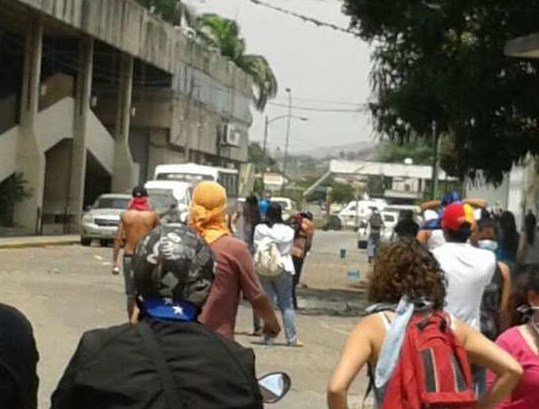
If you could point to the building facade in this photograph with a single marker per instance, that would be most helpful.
(95, 93)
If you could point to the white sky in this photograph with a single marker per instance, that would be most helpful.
(316, 63)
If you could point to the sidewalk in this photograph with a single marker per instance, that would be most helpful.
(37, 241)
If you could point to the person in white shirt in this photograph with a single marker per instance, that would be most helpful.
(468, 270)
(279, 287)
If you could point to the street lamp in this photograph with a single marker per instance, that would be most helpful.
(268, 121)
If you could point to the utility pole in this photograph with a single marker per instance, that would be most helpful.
(436, 148)
(264, 151)
(288, 124)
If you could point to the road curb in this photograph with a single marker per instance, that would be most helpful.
(23, 245)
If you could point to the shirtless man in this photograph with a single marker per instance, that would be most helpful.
(137, 221)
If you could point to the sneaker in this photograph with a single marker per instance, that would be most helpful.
(297, 344)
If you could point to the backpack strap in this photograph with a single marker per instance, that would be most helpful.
(172, 394)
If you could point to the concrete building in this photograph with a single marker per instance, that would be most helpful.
(95, 93)
(401, 183)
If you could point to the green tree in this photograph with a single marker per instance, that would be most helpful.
(256, 156)
(396, 152)
(224, 35)
(442, 61)
(13, 190)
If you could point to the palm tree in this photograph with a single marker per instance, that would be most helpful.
(224, 35)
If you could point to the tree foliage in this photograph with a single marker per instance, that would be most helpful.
(396, 152)
(259, 159)
(443, 61)
(224, 35)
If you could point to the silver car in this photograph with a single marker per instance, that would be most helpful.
(101, 221)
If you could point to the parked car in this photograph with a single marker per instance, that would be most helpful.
(390, 219)
(101, 220)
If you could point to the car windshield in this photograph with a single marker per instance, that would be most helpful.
(111, 203)
(161, 199)
(192, 178)
(282, 203)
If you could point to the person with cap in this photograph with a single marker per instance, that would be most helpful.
(167, 359)
(236, 275)
(135, 222)
(469, 270)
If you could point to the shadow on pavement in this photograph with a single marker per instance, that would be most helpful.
(332, 302)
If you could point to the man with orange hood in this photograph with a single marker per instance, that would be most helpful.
(236, 275)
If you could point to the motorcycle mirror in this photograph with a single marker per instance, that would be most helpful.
(274, 386)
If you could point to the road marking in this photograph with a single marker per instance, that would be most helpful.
(332, 328)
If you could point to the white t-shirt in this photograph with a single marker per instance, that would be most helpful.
(468, 271)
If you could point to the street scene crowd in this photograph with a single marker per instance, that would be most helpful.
(452, 321)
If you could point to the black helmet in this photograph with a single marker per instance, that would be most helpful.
(139, 191)
(173, 263)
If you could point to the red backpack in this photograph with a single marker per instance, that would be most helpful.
(433, 370)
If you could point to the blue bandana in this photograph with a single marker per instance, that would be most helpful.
(167, 310)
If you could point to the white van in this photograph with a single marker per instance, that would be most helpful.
(192, 173)
(164, 193)
(358, 211)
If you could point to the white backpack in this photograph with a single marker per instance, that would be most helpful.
(268, 260)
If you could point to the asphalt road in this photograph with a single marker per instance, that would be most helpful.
(67, 290)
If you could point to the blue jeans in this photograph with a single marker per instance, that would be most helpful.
(280, 288)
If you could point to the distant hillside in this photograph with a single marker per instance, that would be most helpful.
(360, 151)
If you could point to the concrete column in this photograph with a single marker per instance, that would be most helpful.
(30, 157)
(124, 177)
(79, 147)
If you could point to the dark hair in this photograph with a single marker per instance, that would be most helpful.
(307, 215)
(251, 211)
(530, 225)
(508, 232)
(139, 191)
(459, 236)
(527, 281)
(407, 268)
(486, 227)
(274, 214)
(407, 215)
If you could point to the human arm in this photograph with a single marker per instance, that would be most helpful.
(486, 354)
(505, 313)
(354, 356)
(477, 203)
(522, 248)
(118, 240)
(264, 309)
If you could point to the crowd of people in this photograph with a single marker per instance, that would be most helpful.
(454, 320)
(467, 269)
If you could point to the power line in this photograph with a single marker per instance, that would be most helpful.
(359, 109)
(321, 101)
(308, 19)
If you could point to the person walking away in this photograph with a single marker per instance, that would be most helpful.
(167, 359)
(508, 239)
(495, 314)
(236, 275)
(303, 239)
(406, 228)
(468, 270)
(522, 342)
(18, 361)
(528, 247)
(264, 204)
(135, 222)
(244, 222)
(406, 273)
(273, 243)
(375, 227)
